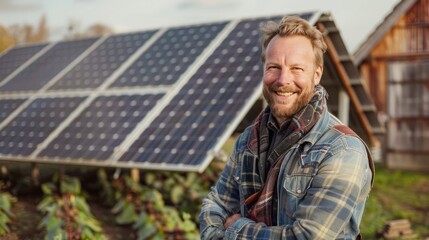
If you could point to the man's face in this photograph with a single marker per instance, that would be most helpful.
(290, 75)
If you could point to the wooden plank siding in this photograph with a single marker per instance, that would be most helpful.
(393, 72)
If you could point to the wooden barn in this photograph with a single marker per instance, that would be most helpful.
(394, 63)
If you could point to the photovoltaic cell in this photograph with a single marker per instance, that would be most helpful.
(170, 56)
(37, 74)
(193, 121)
(7, 106)
(15, 57)
(21, 136)
(102, 62)
(101, 127)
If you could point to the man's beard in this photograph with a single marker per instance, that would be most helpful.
(277, 108)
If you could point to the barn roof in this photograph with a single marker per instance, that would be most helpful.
(365, 48)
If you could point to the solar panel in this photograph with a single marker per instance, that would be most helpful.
(172, 54)
(99, 65)
(101, 127)
(16, 57)
(163, 99)
(21, 136)
(37, 74)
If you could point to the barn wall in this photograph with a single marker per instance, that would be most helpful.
(395, 72)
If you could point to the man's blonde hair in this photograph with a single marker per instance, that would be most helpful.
(291, 26)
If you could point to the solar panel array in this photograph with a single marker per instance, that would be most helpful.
(161, 99)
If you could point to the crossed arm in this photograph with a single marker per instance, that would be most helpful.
(328, 205)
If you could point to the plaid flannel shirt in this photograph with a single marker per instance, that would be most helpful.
(322, 187)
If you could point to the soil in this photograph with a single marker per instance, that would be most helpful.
(26, 219)
(111, 229)
(24, 225)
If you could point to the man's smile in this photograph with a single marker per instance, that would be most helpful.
(284, 94)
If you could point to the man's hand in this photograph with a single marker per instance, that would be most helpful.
(231, 220)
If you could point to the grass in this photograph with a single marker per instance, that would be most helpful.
(397, 195)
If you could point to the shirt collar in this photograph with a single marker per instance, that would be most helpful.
(273, 125)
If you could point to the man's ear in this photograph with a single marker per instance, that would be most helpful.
(318, 75)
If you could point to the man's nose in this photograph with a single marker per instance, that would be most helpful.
(285, 78)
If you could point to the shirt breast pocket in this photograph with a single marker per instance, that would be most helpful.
(296, 187)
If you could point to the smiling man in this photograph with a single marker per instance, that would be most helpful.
(290, 75)
(296, 172)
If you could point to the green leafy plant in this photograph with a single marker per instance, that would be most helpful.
(6, 201)
(67, 214)
(107, 193)
(184, 191)
(144, 208)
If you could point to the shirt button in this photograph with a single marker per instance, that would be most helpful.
(237, 178)
(298, 191)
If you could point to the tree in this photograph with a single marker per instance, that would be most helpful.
(6, 39)
(94, 30)
(20, 34)
(27, 33)
(98, 29)
(42, 33)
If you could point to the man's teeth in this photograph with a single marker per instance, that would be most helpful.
(285, 94)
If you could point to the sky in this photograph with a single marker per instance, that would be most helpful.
(356, 19)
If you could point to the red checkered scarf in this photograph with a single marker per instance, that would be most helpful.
(260, 204)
